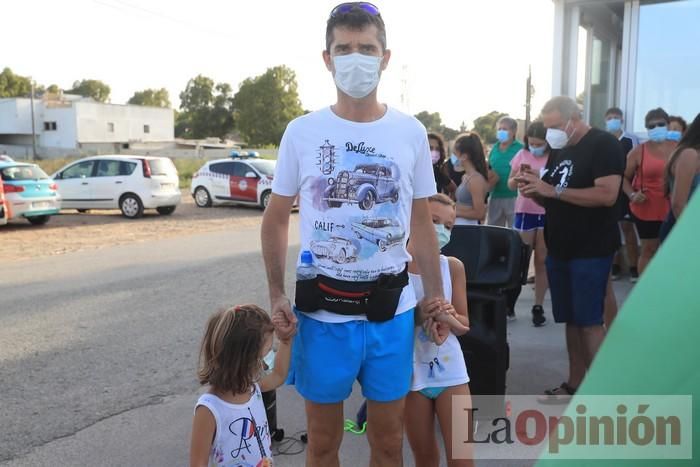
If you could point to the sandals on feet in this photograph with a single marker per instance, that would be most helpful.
(560, 395)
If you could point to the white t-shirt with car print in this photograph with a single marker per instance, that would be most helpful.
(356, 184)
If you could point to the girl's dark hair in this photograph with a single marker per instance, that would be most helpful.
(691, 139)
(441, 146)
(229, 357)
(680, 120)
(656, 114)
(536, 130)
(470, 144)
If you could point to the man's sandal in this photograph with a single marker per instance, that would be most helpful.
(560, 395)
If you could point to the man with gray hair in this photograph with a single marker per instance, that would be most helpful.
(501, 209)
(578, 189)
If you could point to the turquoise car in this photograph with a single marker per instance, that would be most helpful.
(29, 193)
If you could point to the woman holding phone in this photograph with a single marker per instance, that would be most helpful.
(529, 216)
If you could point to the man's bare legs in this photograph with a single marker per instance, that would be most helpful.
(385, 433)
(325, 430)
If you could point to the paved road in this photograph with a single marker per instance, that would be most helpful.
(98, 351)
(86, 336)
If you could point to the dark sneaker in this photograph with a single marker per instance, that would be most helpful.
(538, 318)
(615, 275)
(634, 275)
(511, 315)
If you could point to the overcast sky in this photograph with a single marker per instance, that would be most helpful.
(462, 58)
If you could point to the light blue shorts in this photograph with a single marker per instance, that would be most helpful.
(433, 393)
(327, 358)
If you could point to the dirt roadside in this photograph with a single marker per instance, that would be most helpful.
(71, 231)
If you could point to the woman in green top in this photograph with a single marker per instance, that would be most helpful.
(501, 208)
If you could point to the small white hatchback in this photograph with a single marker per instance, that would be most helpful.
(128, 183)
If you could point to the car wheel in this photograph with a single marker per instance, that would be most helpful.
(382, 245)
(367, 202)
(38, 220)
(166, 210)
(265, 199)
(202, 197)
(131, 206)
(82, 211)
(342, 256)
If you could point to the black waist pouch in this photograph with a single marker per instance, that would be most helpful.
(375, 299)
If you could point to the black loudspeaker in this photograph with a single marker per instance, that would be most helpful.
(486, 351)
(494, 257)
(495, 260)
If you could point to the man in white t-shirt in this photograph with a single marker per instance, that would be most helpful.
(363, 174)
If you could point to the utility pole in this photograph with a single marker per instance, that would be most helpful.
(528, 96)
(31, 99)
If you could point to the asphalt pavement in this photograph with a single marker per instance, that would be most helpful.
(98, 351)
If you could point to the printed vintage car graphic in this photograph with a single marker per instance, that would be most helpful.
(339, 250)
(381, 231)
(367, 185)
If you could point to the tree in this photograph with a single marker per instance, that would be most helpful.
(265, 105)
(12, 85)
(53, 89)
(431, 121)
(486, 126)
(206, 109)
(91, 88)
(151, 97)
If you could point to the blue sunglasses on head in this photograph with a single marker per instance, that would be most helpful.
(344, 8)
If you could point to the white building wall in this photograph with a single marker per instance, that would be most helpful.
(65, 134)
(15, 116)
(127, 122)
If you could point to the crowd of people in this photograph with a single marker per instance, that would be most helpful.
(372, 306)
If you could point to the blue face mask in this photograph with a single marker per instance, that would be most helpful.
(658, 134)
(443, 235)
(537, 151)
(673, 135)
(613, 125)
(502, 135)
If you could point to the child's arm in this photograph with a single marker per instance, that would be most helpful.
(455, 314)
(459, 292)
(203, 432)
(281, 368)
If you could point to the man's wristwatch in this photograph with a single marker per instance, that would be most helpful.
(558, 190)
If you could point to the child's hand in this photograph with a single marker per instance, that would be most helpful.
(428, 308)
(283, 319)
(438, 332)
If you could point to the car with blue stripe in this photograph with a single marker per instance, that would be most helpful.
(28, 192)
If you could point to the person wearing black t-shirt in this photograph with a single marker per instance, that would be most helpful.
(578, 189)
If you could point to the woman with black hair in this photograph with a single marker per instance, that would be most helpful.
(643, 183)
(471, 193)
(682, 175)
(529, 216)
(438, 154)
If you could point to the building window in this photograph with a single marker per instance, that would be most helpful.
(110, 127)
(147, 128)
(50, 126)
(667, 65)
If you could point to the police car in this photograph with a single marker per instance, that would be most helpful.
(243, 178)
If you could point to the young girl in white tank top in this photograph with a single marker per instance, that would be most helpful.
(439, 371)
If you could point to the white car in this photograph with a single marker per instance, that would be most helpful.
(236, 180)
(129, 183)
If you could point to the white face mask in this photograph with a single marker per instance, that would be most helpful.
(557, 138)
(356, 74)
